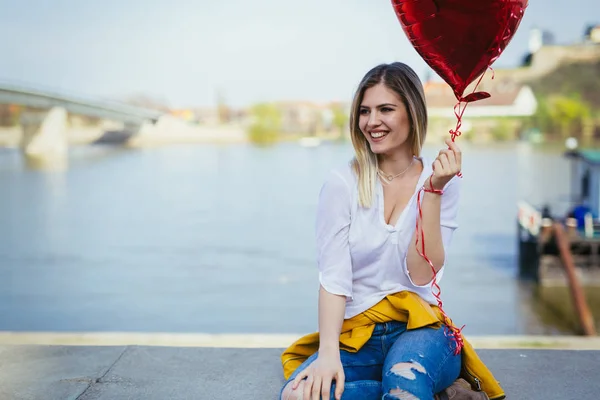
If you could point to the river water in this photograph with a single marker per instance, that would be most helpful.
(219, 239)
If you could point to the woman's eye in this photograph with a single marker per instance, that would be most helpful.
(386, 109)
(364, 111)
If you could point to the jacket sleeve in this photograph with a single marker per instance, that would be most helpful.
(332, 227)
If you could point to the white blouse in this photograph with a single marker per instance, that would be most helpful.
(362, 257)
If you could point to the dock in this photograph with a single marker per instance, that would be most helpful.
(561, 253)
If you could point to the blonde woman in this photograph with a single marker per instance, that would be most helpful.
(381, 334)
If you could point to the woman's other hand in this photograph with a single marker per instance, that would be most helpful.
(320, 375)
(447, 164)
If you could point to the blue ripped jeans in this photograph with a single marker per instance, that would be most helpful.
(396, 362)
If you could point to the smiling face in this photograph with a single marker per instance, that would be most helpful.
(384, 121)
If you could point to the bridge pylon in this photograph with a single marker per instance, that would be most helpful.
(44, 141)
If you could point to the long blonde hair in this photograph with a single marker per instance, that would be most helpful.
(403, 80)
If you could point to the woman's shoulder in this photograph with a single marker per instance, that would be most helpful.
(337, 188)
(343, 172)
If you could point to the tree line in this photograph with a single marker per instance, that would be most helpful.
(568, 101)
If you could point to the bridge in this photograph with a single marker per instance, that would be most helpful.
(44, 121)
(40, 99)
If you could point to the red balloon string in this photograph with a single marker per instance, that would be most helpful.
(455, 333)
(459, 111)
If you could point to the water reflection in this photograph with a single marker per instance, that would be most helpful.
(558, 304)
(45, 164)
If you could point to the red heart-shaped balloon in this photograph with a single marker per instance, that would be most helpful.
(460, 39)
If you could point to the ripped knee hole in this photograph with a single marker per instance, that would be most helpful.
(402, 395)
(406, 369)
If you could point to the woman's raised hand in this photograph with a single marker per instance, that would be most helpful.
(447, 164)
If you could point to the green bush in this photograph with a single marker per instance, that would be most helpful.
(502, 131)
(266, 126)
(562, 115)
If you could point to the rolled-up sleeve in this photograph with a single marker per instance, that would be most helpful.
(332, 227)
(449, 209)
(448, 224)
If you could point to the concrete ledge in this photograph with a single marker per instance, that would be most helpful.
(264, 340)
(155, 372)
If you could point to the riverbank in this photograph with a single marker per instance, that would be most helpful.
(175, 132)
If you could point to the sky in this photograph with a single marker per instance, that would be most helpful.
(186, 52)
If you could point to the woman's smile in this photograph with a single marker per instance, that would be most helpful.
(378, 135)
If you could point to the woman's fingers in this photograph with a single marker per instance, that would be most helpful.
(308, 388)
(339, 384)
(437, 167)
(452, 158)
(326, 388)
(299, 377)
(316, 388)
(456, 150)
(450, 161)
(444, 158)
(446, 165)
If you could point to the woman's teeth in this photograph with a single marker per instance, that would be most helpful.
(377, 135)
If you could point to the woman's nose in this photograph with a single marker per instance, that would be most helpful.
(373, 119)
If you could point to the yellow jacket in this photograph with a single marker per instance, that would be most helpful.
(404, 307)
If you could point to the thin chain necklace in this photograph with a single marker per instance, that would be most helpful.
(388, 178)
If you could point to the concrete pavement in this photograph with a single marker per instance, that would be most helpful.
(32, 372)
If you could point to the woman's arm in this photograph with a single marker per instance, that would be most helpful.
(418, 267)
(327, 367)
(446, 166)
(331, 317)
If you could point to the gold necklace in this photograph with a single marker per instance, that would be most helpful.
(388, 178)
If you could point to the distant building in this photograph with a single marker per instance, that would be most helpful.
(510, 103)
(592, 34)
(508, 99)
(309, 118)
(298, 117)
(9, 115)
(206, 115)
(539, 38)
(185, 114)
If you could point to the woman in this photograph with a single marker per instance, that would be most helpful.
(381, 334)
